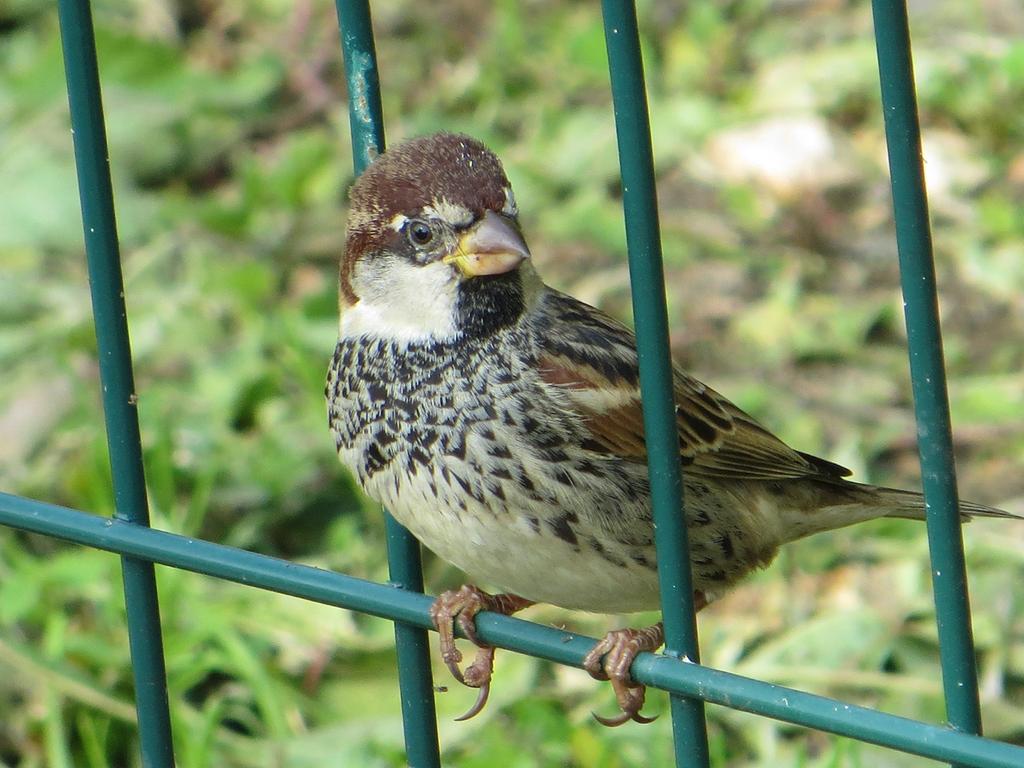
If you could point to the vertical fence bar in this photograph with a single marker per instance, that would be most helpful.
(365, 113)
(928, 375)
(419, 716)
(650, 314)
(119, 399)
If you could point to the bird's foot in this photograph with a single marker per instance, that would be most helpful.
(611, 659)
(462, 606)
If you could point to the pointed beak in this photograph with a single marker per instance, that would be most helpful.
(493, 247)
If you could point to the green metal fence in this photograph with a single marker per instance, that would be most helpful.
(676, 671)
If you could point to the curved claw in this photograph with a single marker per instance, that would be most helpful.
(622, 718)
(453, 667)
(477, 708)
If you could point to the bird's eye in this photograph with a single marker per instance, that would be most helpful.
(419, 232)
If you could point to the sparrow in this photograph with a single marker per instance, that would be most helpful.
(500, 421)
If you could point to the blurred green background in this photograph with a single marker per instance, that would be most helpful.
(229, 150)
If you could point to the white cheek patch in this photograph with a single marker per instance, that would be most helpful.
(402, 301)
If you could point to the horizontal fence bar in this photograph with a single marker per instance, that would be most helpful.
(671, 675)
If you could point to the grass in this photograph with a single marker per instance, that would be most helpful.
(230, 161)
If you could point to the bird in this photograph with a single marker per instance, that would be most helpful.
(500, 421)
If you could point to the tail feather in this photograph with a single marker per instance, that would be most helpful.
(910, 505)
(837, 503)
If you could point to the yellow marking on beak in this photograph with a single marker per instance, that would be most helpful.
(477, 264)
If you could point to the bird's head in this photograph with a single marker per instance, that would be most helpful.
(434, 248)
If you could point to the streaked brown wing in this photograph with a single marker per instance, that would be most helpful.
(592, 359)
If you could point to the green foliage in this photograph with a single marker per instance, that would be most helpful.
(229, 153)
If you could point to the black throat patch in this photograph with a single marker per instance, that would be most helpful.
(489, 303)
